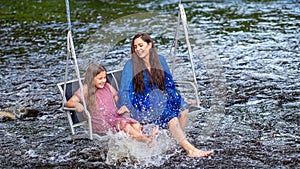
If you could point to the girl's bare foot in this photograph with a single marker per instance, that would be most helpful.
(150, 142)
(155, 131)
(196, 153)
(152, 136)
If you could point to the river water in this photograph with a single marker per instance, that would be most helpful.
(247, 63)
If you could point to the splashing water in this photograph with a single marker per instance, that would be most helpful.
(256, 43)
(123, 149)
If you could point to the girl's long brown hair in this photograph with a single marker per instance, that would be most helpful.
(156, 76)
(92, 71)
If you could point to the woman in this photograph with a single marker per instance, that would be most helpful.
(147, 90)
(101, 97)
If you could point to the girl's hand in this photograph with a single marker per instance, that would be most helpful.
(79, 107)
(123, 110)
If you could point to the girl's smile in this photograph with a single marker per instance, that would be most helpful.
(100, 80)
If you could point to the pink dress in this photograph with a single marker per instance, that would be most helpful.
(105, 117)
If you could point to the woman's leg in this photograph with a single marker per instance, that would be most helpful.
(183, 118)
(178, 134)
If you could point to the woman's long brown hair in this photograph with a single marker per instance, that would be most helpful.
(156, 76)
(92, 71)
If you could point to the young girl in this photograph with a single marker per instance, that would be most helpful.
(100, 98)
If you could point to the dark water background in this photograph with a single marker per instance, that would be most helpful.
(247, 66)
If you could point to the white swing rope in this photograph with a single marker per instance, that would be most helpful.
(182, 18)
(71, 51)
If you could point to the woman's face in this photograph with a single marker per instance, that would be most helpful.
(100, 80)
(142, 48)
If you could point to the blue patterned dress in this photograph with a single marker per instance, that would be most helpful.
(154, 106)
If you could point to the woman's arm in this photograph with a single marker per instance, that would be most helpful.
(174, 98)
(125, 89)
(164, 64)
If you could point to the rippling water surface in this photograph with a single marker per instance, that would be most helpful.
(247, 64)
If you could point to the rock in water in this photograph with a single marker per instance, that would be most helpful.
(4, 116)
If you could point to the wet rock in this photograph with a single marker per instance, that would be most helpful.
(31, 113)
(27, 113)
(6, 116)
(18, 152)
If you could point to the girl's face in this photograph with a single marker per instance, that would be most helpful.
(142, 48)
(100, 80)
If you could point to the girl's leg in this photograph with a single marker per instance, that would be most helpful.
(133, 131)
(178, 134)
(183, 118)
(138, 127)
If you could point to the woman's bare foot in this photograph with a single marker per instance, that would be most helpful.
(194, 103)
(196, 153)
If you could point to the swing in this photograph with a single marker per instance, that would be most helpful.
(76, 119)
(67, 88)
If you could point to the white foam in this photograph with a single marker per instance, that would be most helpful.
(124, 149)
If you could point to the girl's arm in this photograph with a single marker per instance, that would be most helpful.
(74, 102)
(113, 92)
(123, 109)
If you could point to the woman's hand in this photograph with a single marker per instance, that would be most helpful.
(123, 110)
